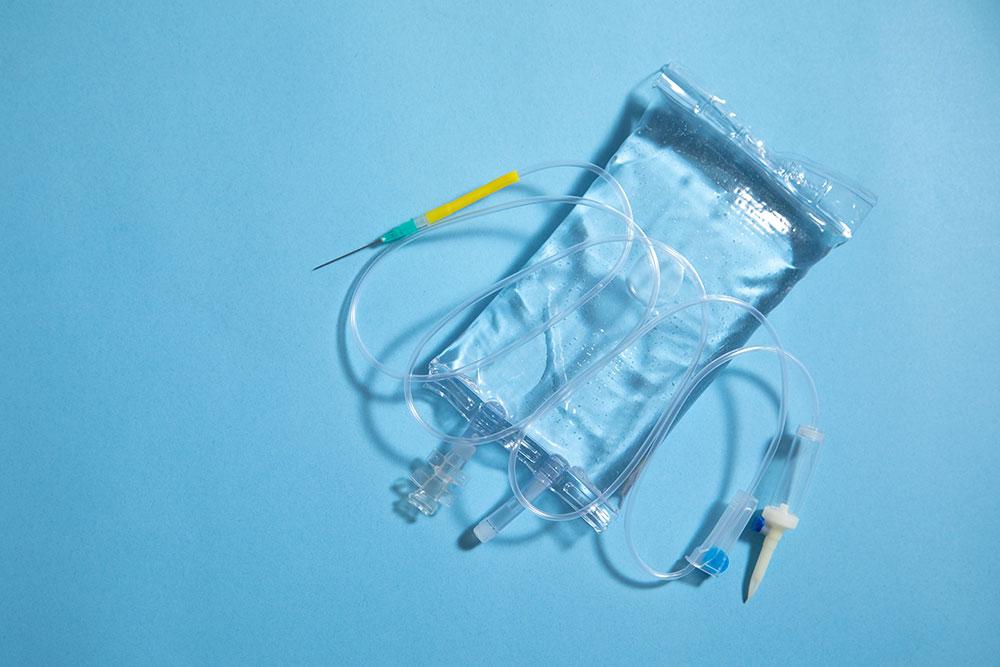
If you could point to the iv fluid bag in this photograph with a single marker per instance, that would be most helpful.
(752, 224)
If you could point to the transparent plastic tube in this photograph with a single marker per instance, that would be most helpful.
(704, 374)
(649, 320)
(753, 223)
(669, 415)
(567, 389)
(409, 377)
(583, 384)
(625, 215)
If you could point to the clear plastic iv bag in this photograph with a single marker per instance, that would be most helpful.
(750, 221)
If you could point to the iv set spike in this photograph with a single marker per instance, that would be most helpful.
(712, 558)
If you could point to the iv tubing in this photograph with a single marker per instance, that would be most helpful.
(649, 320)
(719, 361)
(625, 215)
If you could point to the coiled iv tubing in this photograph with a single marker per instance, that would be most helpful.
(649, 320)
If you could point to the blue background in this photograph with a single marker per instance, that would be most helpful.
(190, 472)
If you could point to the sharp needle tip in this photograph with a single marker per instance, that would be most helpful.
(346, 254)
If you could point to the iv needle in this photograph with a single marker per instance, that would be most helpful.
(428, 218)
(348, 254)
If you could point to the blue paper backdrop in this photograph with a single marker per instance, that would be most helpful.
(190, 473)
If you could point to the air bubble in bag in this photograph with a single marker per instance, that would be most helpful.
(751, 222)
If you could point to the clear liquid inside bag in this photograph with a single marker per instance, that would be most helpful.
(751, 223)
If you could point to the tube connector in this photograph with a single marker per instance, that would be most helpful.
(712, 556)
(544, 477)
(437, 478)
